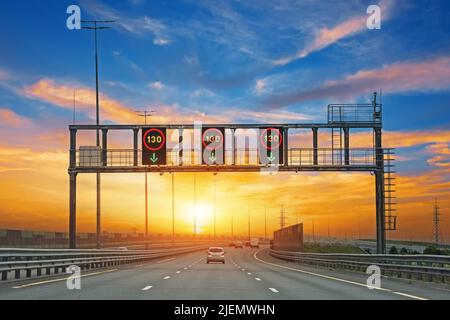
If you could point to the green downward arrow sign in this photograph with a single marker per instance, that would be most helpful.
(271, 157)
(153, 158)
(212, 157)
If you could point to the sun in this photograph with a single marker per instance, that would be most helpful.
(202, 213)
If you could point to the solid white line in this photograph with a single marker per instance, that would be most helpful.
(409, 295)
(257, 279)
(166, 277)
(333, 278)
(273, 290)
(170, 259)
(60, 279)
(146, 288)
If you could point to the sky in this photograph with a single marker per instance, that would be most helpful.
(224, 62)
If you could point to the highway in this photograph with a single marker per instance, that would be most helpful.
(247, 274)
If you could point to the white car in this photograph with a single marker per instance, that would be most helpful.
(238, 244)
(215, 254)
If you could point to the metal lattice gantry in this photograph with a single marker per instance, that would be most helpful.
(271, 151)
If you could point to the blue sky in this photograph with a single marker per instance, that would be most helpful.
(223, 58)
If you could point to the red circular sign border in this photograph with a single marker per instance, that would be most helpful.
(208, 146)
(162, 135)
(264, 144)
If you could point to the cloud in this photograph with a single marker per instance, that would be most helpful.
(4, 75)
(430, 75)
(202, 92)
(156, 85)
(139, 26)
(260, 86)
(441, 152)
(160, 42)
(62, 95)
(327, 36)
(12, 119)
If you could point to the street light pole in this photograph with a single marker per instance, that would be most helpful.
(173, 208)
(215, 204)
(97, 117)
(265, 223)
(195, 206)
(248, 219)
(145, 114)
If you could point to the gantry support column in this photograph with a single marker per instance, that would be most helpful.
(286, 147)
(180, 144)
(315, 146)
(73, 210)
(379, 189)
(233, 146)
(73, 190)
(347, 146)
(135, 146)
(104, 158)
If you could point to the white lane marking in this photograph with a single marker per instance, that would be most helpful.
(243, 269)
(166, 277)
(332, 278)
(409, 295)
(249, 273)
(61, 279)
(146, 288)
(273, 290)
(170, 259)
(178, 271)
(257, 279)
(185, 268)
(138, 265)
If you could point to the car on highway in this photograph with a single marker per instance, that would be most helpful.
(254, 243)
(238, 244)
(248, 244)
(231, 244)
(215, 254)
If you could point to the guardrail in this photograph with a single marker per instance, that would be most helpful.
(17, 263)
(413, 267)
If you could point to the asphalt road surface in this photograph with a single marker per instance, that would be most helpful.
(247, 274)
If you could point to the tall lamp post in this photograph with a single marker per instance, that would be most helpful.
(145, 114)
(93, 25)
(215, 203)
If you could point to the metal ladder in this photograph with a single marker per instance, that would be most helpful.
(389, 191)
(336, 146)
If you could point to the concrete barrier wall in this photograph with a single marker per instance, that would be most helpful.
(289, 238)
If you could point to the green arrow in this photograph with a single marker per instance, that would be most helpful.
(271, 157)
(153, 158)
(212, 157)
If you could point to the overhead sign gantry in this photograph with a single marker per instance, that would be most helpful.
(270, 144)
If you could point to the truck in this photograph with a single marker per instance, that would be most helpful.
(254, 243)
